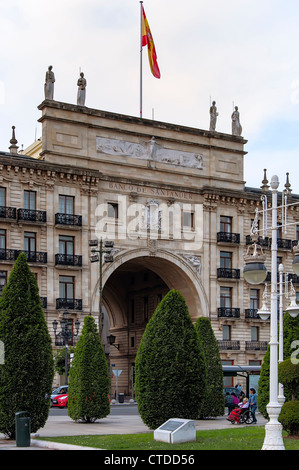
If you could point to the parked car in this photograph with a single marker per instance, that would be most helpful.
(63, 389)
(60, 400)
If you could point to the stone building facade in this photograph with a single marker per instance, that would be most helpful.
(174, 201)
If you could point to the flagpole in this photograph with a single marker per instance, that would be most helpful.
(141, 58)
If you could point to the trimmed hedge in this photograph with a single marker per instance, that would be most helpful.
(213, 403)
(27, 373)
(289, 417)
(89, 382)
(170, 369)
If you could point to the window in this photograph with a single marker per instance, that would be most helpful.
(66, 245)
(254, 299)
(3, 280)
(30, 241)
(225, 224)
(297, 232)
(66, 287)
(188, 220)
(132, 311)
(226, 332)
(112, 210)
(30, 200)
(226, 259)
(145, 308)
(225, 297)
(2, 239)
(254, 333)
(66, 204)
(2, 197)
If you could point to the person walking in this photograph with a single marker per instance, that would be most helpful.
(253, 403)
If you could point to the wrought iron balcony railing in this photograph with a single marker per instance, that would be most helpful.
(256, 345)
(282, 243)
(68, 260)
(68, 219)
(44, 302)
(251, 313)
(228, 273)
(8, 212)
(225, 344)
(34, 256)
(228, 237)
(30, 215)
(229, 312)
(68, 304)
(8, 255)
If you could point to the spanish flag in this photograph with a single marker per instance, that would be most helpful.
(147, 39)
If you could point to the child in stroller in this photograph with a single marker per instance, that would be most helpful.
(241, 414)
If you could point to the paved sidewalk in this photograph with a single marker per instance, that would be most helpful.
(114, 424)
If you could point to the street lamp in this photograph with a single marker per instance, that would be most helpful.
(273, 438)
(97, 256)
(66, 335)
(111, 341)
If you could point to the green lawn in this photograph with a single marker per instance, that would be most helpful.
(247, 438)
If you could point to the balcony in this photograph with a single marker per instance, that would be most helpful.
(8, 212)
(231, 345)
(282, 243)
(228, 273)
(44, 302)
(228, 312)
(68, 304)
(226, 237)
(8, 255)
(252, 313)
(263, 242)
(29, 215)
(256, 345)
(34, 256)
(68, 219)
(294, 278)
(68, 260)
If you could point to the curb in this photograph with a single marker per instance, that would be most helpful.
(59, 446)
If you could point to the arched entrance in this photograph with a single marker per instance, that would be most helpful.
(133, 285)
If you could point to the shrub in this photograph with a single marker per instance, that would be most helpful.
(27, 373)
(170, 372)
(88, 398)
(213, 403)
(288, 375)
(289, 417)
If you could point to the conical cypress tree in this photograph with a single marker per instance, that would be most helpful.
(27, 373)
(213, 403)
(170, 371)
(88, 398)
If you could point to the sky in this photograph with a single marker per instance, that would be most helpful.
(237, 52)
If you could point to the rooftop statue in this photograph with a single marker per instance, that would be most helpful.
(81, 95)
(213, 116)
(236, 126)
(49, 84)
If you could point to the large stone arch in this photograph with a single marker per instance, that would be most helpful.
(175, 270)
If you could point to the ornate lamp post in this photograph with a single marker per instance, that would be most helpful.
(65, 336)
(254, 273)
(97, 256)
